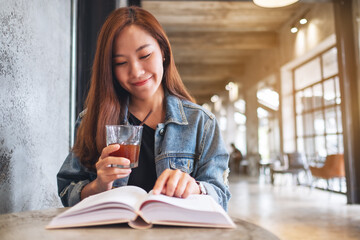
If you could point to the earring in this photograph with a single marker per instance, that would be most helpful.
(163, 59)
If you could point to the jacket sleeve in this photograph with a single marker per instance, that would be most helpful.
(213, 164)
(72, 178)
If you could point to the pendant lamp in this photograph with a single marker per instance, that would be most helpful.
(274, 3)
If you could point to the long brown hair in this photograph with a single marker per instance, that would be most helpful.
(106, 97)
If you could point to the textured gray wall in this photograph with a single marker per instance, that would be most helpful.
(34, 101)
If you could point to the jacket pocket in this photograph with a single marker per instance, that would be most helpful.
(183, 164)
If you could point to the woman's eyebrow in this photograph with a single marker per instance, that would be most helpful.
(142, 47)
(137, 50)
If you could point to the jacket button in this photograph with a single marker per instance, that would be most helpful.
(162, 132)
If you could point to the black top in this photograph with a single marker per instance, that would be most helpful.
(144, 175)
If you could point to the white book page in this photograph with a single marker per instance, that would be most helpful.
(94, 218)
(128, 196)
(193, 202)
(201, 210)
(157, 212)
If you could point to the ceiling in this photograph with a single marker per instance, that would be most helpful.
(212, 41)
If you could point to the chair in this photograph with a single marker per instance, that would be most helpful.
(334, 167)
(265, 165)
(296, 163)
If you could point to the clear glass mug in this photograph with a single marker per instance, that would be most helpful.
(129, 137)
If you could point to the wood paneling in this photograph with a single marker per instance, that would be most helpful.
(215, 15)
(222, 40)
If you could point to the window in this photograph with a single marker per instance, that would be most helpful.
(268, 130)
(316, 93)
(311, 111)
(240, 121)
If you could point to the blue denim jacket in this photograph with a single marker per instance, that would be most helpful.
(189, 140)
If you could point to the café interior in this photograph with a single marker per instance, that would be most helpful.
(283, 83)
(275, 77)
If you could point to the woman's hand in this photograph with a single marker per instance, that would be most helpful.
(175, 183)
(106, 175)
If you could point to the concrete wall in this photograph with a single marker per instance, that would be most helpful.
(34, 101)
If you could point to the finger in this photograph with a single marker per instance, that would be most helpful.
(117, 176)
(119, 171)
(113, 162)
(110, 174)
(161, 181)
(172, 182)
(191, 188)
(180, 188)
(105, 153)
(107, 170)
(109, 149)
(118, 162)
(110, 178)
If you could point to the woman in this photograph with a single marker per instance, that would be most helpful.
(134, 72)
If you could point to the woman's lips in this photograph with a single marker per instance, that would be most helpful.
(141, 82)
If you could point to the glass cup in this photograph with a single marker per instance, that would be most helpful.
(129, 138)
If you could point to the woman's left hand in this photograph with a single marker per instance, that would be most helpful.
(175, 183)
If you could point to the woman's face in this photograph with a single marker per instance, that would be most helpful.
(138, 62)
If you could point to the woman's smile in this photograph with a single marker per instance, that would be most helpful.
(141, 82)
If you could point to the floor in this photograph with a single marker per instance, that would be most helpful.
(293, 212)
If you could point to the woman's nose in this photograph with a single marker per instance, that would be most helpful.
(136, 69)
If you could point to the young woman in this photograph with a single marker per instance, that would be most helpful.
(182, 152)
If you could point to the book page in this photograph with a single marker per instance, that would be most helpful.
(130, 196)
(116, 205)
(193, 202)
(196, 210)
(105, 216)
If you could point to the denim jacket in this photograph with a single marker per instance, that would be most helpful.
(188, 140)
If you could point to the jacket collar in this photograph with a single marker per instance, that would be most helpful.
(174, 110)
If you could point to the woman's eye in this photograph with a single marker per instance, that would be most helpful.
(146, 56)
(119, 63)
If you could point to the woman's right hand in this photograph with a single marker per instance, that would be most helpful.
(106, 175)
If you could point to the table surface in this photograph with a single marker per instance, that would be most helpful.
(31, 225)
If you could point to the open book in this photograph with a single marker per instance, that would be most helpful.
(139, 209)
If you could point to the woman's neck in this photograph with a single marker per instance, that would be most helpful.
(141, 107)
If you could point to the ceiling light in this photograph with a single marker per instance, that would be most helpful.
(214, 98)
(230, 86)
(294, 29)
(303, 21)
(274, 3)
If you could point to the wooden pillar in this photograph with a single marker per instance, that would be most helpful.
(347, 59)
